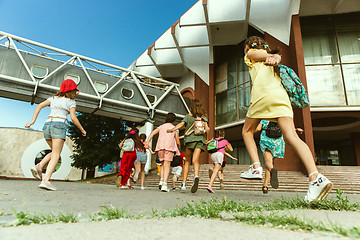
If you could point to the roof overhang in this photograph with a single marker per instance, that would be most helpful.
(188, 43)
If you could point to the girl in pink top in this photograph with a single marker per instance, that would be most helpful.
(218, 157)
(167, 144)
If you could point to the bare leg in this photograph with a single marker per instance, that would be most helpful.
(166, 170)
(248, 136)
(189, 153)
(213, 177)
(302, 150)
(269, 165)
(57, 145)
(196, 156)
(142, 174)
(137, 170)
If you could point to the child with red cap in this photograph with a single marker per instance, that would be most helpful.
(54, 130)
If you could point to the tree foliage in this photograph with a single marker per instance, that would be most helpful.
(100, 146)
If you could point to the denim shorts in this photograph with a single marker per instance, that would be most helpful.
(54, 130)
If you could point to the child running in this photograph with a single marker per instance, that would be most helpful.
(195, 144)
(141, 159)
(270, 101)
(271, 147)
(218, 156)
(54, 130)
(177, 167)
(128, 145)
(167, 144)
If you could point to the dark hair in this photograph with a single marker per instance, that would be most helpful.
(255, 42)
(142, 136)
(135, 137)
(196, 108)
(220, 133)
(170, 118)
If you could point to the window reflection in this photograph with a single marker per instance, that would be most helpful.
(332, 59)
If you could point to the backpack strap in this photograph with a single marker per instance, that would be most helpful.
(188, 132)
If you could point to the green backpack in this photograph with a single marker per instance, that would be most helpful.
(212, 147)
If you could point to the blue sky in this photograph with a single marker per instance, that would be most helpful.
(114, 31)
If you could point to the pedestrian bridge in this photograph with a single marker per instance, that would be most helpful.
(31, 71)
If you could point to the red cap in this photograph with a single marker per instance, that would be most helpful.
(68, 85)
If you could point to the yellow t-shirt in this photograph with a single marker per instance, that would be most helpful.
(268, 98)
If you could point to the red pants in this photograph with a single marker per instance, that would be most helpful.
(127, 163)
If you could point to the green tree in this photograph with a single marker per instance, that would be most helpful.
(100, 146)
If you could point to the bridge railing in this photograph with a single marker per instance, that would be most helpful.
(38, 66)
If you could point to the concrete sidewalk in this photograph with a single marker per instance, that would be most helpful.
(86, 199)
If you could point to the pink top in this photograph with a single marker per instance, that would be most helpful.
(222, 144)
(166, 141)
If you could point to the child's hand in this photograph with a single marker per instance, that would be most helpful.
(29, 124)
(299, 130)
(146, 145)
(235, 159)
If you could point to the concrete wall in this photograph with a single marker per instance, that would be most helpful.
(14, 142)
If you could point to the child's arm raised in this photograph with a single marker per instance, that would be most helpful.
(209, 141)
(229, 147)
(37, 111)
(177, 127)
(267, 58)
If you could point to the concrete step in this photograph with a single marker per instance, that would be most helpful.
(345, 178)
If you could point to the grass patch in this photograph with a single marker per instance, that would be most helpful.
(27, 218)
(110, 213)
(224, 209)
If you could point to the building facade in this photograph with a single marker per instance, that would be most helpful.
(204, 53)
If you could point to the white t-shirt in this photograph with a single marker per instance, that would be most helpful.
(60, 106)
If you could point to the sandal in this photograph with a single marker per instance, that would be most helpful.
(210, 190)
(265, 189)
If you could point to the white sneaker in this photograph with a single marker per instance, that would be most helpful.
(164, 188)
(318, 189)
(252, 173)
(183, 187)
(142, 188)
(160, 184)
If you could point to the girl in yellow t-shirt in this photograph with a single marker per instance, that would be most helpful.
(269, 101)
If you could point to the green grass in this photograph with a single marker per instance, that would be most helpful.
(28, 218)
(264, 214)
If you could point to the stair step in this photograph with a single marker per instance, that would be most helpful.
(343, 177)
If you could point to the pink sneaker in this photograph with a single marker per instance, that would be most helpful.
(210, 190)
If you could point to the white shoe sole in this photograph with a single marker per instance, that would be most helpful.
(324, 192)
(251, 177)
(34, 172)
(46, 187)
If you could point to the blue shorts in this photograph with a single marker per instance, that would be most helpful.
(54, 130)
(141, 157)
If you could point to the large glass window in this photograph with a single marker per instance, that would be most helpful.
(332, 59)
(232, 86)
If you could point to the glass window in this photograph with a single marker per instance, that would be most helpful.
(39, 71)
(320, 48)
(101, 87)
(324, 85)
(127, 93)
(332, 59)
(152, 98)
(226, 107)
(244, 99)
(231, 73)
(352, 83)
(73, 77)
(349, 45)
